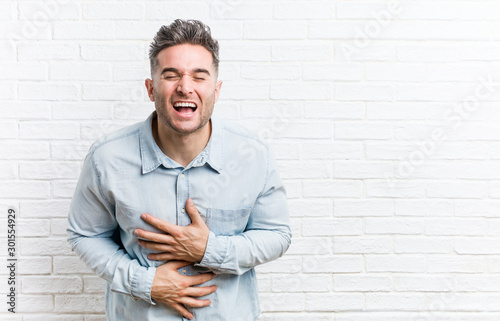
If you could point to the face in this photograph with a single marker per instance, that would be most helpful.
(184, 88)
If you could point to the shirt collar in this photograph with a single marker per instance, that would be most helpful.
(152, 156)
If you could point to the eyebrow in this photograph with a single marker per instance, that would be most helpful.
(196, 70)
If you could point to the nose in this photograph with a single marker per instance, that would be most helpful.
(185, 86)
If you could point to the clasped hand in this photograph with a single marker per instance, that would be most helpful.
(181, 245)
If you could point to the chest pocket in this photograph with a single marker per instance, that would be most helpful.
(227, 222)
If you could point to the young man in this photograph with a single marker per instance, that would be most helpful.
(176, 211)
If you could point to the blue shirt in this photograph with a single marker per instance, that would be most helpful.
(234, 184)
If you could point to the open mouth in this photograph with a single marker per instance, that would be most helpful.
(185, 108)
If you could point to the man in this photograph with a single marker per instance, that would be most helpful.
(176, 211)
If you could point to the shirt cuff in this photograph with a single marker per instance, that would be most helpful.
(215, 252)
(142, 281)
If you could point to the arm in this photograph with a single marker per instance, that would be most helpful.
(91, 226)
(266, 238)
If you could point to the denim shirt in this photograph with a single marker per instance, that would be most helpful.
(234, 184)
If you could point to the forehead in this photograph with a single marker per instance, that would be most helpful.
(185, 57)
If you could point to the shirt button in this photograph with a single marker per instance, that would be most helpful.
(183, 210)
(182, 175)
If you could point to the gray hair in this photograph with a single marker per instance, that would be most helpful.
(179, 32)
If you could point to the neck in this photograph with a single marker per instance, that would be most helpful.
(181, 148)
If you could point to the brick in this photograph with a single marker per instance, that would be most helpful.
(303, 246)
(35, 265)
(243, 51)
(301, 91)
(8, 170)
(64, 189)
(309, 283)
(8, 129)
(333, 188)
(298, 169)
(455, 226)
(136, 30)
(333, 71)
(281, 302)
(51, 284)
(129, 71)
(21, 110)
(361, 169)
(362, 283)
(8, 11)
(270, 71)
(79, 303)
(167, 11)
(337, 150)
(477, 246)
(364, 10)
(44, 246)
(280, 30)
(58, 227)
(394, 188)
(296, 51)
(333, 264)
(48, 11)
(474, 283)
(25, 189)
(227, 29)
(84, 30)
(53, 317)
(303, 10)
(340, 111)
(456, 264)
(306, 130)
(462, 189)
(113, 10)
(396, 72)
(282, 265)
(423, 283)
(49, 130)
(25, 30)
(34, 303)
(47, 50)
(24, 71)
(105, 92)
(34, 228)
(347, 51)
(93, 284)
(82, 110)
(48, 91)
(80, 71)
(363, 208)
(434, 93)
(334, 302)
(44, 208)
(69, 265)
(114, 52)
(49, 170)
(275, 110)
(398, 302)
(395, 263)
(362, 245)
(417, 245)
(136, 111)
(7, 50)
(364, 92)
(310, 207)
(329, 227)
(242, 11)
(383, 225)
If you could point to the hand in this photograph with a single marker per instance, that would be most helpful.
(177, 291)
(181, 243)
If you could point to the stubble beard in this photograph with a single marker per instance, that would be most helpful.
(165, 118)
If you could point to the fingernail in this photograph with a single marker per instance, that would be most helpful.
(143, 216)
(136, 232)
(190, 202)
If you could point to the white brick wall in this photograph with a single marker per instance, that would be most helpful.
(383, 114)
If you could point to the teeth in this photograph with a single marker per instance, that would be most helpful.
(182, 104)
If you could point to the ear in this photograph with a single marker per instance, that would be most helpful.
(150, 88)
(218, 85)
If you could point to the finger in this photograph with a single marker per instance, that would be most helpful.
(201, 278)
(153, 236)
(200, 291)
(162, 256)
(193, 212)
(160, 247)
(177, 264)
(159, 223)
(182, 310)
(194, 303)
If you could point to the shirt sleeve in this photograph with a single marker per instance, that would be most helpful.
(92, 224)
(266, 238)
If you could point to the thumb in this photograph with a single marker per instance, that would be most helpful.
(176, 264)
(193, 212)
